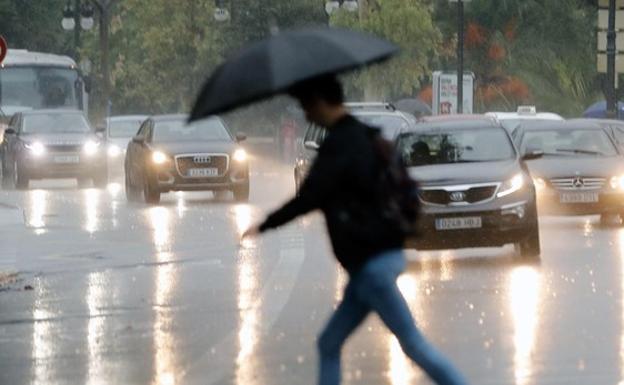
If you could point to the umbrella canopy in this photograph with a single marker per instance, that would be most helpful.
(273, 65)
(415, 107)
(599, 110)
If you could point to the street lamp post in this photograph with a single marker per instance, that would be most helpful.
(460, 54)
(611, 52)
(334, 5)
(75, 18)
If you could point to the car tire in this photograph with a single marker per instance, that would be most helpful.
(241, 193)
(529, 247)
(221, 195)
(20, 181)
(132, 193)
(609, 220)
(101, 179)
(7, 179)
(151, 195)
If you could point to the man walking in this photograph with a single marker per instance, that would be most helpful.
(367, 244)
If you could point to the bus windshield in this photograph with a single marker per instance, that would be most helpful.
(32, 87)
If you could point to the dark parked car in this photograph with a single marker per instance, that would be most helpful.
(52, 144)
(381, 115)
(476, 190)
(581, 171)
(167, 154)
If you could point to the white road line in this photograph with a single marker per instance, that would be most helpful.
(219, 361)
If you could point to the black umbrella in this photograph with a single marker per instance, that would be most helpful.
(273, 65)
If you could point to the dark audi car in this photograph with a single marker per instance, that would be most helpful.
(52, 144)
(167, 154)
(581, 171)
(475, 189)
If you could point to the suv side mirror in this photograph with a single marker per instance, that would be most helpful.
(532, 155)
(10, 131)
(138, 139)
(241, 137)
(311, 145)
(100, 128)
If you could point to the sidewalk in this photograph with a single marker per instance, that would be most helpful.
(11, 221)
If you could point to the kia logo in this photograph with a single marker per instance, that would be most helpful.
(578, 182)
(457, 196)
(201, 159)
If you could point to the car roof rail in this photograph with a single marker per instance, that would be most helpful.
(371, 105)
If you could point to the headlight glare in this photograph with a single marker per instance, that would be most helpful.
(159, 157)
(114, 151)
(91, 147)
(617, 182)
(240, 155)
(36, 148)
(511, 186)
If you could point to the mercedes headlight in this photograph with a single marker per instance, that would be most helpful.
(36, 148)
(159, 157)
(511, 186)
(240, 155)
(91, 147)
(617, 182)
(114, 151)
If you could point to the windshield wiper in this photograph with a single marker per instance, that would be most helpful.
(579, 151)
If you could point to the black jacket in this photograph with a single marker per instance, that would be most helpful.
(341, 183)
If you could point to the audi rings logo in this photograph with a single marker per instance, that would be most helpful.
(457, 196)
(578, 182)
(202, 159)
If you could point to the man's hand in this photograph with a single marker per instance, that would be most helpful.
(251, 232)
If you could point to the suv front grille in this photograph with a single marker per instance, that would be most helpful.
(470, 195)
(578, 183)
(186, 162)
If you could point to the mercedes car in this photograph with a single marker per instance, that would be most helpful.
(42, 144)
(119, 131)
(167, 154)
(580, 172)
(476, 190)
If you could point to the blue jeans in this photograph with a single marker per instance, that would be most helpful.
(374, 288)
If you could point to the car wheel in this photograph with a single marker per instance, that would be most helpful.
(529, 247)
(150, 192)
(221, 194)
(241, 193)
(608, 220)
(132, 193)
(101, 179)
(20, 181)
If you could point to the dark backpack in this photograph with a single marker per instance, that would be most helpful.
(397, 192)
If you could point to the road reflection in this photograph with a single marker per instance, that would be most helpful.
(165, 363)
(97, 292)
(91, 209)
(38, 209)
(621, 252)
(524, 302)
(44, 345)
(248, 309)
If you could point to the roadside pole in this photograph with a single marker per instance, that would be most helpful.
(611, 52)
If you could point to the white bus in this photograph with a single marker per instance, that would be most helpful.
(35, 80)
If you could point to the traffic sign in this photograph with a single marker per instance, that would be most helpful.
(605, 3)
(603, 19)
(602, 41)
(602, 63)
(3, 49)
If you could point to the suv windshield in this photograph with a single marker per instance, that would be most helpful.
(55, 123)
(586, 142)
(123, 128)
(455, 146)
(390, 125)
(179, 131)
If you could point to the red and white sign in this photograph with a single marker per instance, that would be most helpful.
(3, 49)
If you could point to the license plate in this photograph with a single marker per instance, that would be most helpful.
(66, 159)
(203, 172)
(458, 223)
(579, 197)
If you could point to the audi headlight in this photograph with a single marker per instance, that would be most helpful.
(617, 182)
(91, 147)
(114, 151)
(159, 157)
(511, 186)
(240, 155)
(36, 148)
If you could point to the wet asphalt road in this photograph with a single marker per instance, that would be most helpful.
(132, 294)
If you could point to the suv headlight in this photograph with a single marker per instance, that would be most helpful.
(159, 157)
(91, 147)
(36, 148)
(240, 155)
(511, 186)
